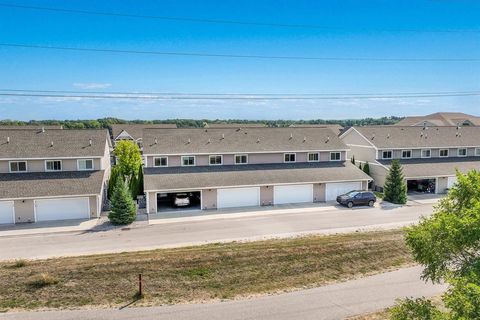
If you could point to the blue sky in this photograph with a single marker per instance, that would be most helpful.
(353, 29)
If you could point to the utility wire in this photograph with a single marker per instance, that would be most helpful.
(147, 97)
(218, 55)
(214, 21)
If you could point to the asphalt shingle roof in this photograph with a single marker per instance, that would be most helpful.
(441, 119)
(50, 184)
(418, 137)
(249, 175)
(25, 144)
(436, 167)
(225, 140)
(136, 130)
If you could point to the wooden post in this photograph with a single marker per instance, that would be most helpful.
(140, 291)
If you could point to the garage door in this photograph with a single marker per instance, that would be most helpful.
(293, 194)
(451, 181)
(6, 212)
(62, 209)
(238, 197)
(333, 190)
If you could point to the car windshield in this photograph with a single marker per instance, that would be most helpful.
(352, 193)
(182, 196)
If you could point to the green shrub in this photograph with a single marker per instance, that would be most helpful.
(123, 209)
(42, 280)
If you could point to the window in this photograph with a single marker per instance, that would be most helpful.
(160, 162)
(426, 153)
(241, 159)
(188, 161)
(477, 152)
(462, 152)
(313, 157)
(335, 156)
(443, 153)
(215, 160)
(406, 154)
(85, 164)
(53, 165)
(289, 157)
(18, 166)
(387, 154)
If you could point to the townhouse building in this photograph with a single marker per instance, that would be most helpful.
(430, 156)
(52, 174)
(239, 167)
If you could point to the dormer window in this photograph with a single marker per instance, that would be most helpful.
(335, 156)
(18, 166)
(85, 164)
(406, 154)
(462, 152)
(53, 165)
(215, 160)
(387, 154)
(289, 157)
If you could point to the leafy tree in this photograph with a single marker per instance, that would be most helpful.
(353, 159)
(415, 309)
(123, 209)
(395, 189)
(129, 159)
(366, 168)
(447, 244)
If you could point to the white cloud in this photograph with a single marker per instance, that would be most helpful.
(91, 85)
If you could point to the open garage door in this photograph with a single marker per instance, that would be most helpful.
(293, 194)
(333, 190)
(62, 209)
(6, 212)
(238, 197)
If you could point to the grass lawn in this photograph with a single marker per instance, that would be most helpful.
(217, 271)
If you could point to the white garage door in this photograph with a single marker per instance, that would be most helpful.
(62, 209)
(333, 190)
(238, 197)
(6, 212)
(293, 194)
(451, 181)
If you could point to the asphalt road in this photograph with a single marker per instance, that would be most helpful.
(253, 227)
(334, 302)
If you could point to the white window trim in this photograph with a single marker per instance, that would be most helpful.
(391, 152)
(61, 165)
(215, 164)
(477, 152)
(10, 168)
(340, 159)
(160, 157)
(289, 153)
(188, 165)
(78, 165)
(440, 153)
(421, 153)
(317, 153)
(461, 155)
(411, 154)
(240, 155)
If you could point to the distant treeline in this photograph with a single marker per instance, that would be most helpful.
(190, 123)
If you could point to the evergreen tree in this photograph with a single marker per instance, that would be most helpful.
(366, 168)
(395, 188)
(140, 181)
(114, 176)
(123, 209)
(353, 159)
(360, 166)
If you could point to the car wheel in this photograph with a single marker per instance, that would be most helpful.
(350, 204)
(371, 203)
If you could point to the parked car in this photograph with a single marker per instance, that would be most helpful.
(357, 198)
(181, 200)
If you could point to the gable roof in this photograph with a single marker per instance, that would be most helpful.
(335, 127)
(234, 125)
(391, 137)
(136, 130)
(235, 140)
(440, 119)
(35, 127)
(25, 144)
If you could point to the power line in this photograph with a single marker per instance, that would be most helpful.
(215, 21)
(146, 97)
(219, 55)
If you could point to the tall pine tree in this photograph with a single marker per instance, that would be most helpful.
(395, 188)
(123, 209)
(366, 168)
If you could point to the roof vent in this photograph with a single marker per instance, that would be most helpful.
(189, 140)
(388, 136)
(328, 139)
(90, 142)
(156, 141)
(223, 136)
(421, 134)
(258, 140)
(8, 139)
(426, 136)
(304, 138)
(291, 136)
(373, 136)
(43, 129)
(51, 144)
(209, 141)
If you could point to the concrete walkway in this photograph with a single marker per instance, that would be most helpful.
(331, 302)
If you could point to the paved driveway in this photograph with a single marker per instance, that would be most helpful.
(331, 302)
(252, 227)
